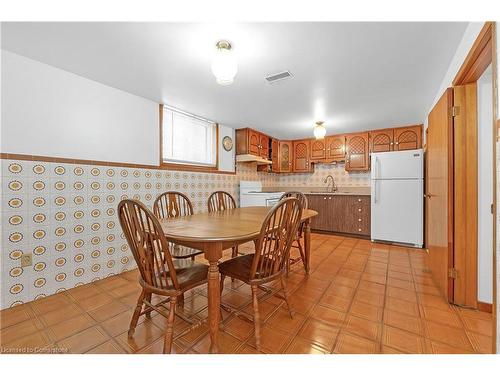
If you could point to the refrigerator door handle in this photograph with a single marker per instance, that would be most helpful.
(374, 197)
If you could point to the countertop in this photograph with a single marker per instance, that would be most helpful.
(342, 190)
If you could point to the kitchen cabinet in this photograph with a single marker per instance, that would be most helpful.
(301, 154)
(275, 154)
(285, 156)
(396, 139)
(382, 140)
(347, 214)
(335, 148)
(357, 152)
(318, 149)
(249, 141)
(408, 138)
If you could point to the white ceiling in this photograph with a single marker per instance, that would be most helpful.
(353, 76)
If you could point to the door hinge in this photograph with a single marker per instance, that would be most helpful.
(492, 209)
(455, 111)
(453, 273)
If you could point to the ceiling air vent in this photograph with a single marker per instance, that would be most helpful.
(272, 78)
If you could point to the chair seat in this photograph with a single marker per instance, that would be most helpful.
(238, 268)
(188, 273)
(183, 252)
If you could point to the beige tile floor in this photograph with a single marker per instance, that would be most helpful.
(359, 298)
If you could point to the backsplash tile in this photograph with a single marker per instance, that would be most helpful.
(342, 178)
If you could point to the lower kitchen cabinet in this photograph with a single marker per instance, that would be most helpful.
(348, 214)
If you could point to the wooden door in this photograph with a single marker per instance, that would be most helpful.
(335, 148)
(465, 169)
(318, 149)
(301, 156)
(408, 138)
(285, 156)
(264, 146)
(439, 194)
(275, 145)
(382, 140)
(253, 142)
(357, 154)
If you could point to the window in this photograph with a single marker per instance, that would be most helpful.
(188, 139)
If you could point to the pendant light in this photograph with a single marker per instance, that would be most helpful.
(224, 64)
(319, 130)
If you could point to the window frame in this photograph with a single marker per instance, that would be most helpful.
(187, 166)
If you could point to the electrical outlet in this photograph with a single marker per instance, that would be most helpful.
(26, 260)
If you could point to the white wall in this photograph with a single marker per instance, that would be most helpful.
(226, 158)
(50, 112)
(485, 186)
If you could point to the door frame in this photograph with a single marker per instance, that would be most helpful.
(481, 55)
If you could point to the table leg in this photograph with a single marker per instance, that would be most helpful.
(213, 253)
(307, 244)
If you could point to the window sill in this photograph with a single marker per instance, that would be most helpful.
(192, 168)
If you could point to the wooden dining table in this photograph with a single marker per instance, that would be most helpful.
(216, 231)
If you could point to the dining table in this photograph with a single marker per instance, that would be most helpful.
(214, 232)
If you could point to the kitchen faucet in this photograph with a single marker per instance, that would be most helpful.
(334, 187)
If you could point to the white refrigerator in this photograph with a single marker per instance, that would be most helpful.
(397, 193)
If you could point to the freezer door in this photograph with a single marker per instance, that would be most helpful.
(397, 211)
(397, 165)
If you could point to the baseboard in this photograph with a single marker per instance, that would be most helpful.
(484, 307)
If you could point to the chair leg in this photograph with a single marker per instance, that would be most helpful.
(256, 315)
(169, 330)
(287, 297)
(192, 258)
(301, 251)
(148, 298)
(135, 316)
(234, 252)
(180, 300)
(222, 277)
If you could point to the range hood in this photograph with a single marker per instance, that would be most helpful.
(248, 158)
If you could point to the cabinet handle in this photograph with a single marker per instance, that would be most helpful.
(359, 199)
(359, 220)
(324, 198)
(330, 198)
(397, 143)
(359, 209)
(359, 229)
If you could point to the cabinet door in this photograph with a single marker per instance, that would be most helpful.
(335, 148)
(253, 142)
(319, 203)
(318, 149)
(301, 156)
(382, 140)
(357, 155)
(275, 144)
(285, 156)
(409, 138)
(264, 146)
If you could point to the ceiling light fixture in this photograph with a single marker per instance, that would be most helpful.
(319, 130)
(224, 64)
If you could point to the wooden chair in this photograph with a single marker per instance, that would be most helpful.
(271, 255)
(298, 238)
(174, 204)
(159, 273)
(221, 201)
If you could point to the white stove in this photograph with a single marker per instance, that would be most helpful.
(251, 194)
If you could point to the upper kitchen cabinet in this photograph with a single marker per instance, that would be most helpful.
(301, 154)
(285, 156)
(396, 139)
(318, 150)
(249, 141)
(275, 155)
(357, 152)
(382, 140)
(335, 148)
(408, 138)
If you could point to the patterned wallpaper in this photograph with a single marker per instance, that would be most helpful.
(65, 215)
(342, 178)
